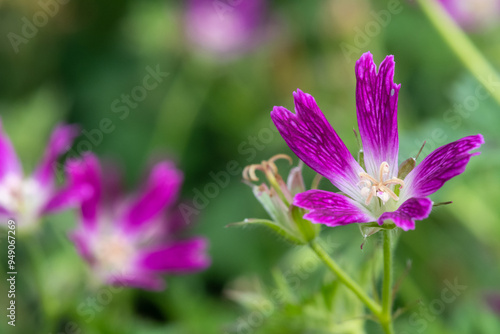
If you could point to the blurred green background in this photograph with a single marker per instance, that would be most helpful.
(213, 109)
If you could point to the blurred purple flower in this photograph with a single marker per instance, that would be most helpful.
(224, 28)
(131, 240)
(26, 199)
(473, 14)
(493, 301)
(381, 191)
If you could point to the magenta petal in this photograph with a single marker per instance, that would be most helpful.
(68, 197)
(85, 175)
(161, 190)
(59, 142)
(182, 256)
(73, 194)
(376, 105)
(5, 214)
(441, 165)
(81, 241)
(10, 162)
(330, 208)
(314, 141)
(405, 215)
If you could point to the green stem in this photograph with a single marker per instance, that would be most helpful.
(346, 279)
(36, 255)
(386, 316)
(458, 41)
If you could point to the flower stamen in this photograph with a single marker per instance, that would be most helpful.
(264, 166)
(249, 172)
(269, 168)
(379, 188)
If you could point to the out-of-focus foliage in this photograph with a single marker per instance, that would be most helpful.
(211, 115)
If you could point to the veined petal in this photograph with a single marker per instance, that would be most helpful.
(59, 142)
(9, 163)
(331, 209)
(405, 215)
(182, 256)
(438, 167)
(376, 105)
(86, 174)
(314, 141)
(161, 190)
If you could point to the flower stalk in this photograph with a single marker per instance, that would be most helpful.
(386, 316)
(346, 279)
(382, 312)
(461, 45)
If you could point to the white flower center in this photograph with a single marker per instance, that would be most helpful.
(381, 187)
(23, 197)
(113, 253)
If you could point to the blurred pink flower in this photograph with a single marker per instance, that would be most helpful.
(473, 14)
(26, 199)
(130, 240)
(493, 301)
(224, 28)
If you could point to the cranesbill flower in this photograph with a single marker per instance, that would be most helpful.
(377, 192)
(26, 198)
(224, 28)
(131, 240)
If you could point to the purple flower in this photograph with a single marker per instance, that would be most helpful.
(379, 192)
(493, 301)
(131, 240)
(26, 199)
(224, 29)
(473, 14)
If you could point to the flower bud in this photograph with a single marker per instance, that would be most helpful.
(406, 167)
(276, 198)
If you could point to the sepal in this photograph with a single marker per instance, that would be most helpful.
(406, 167)
(308, 230)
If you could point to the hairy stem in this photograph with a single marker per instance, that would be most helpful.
(384, 312)
(386, 316)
